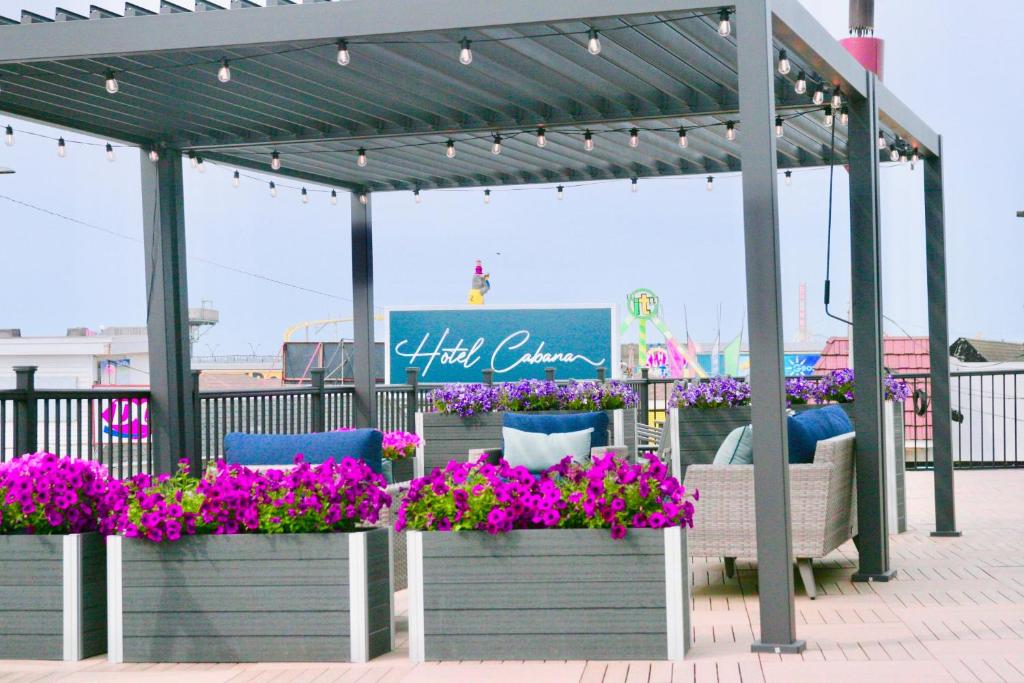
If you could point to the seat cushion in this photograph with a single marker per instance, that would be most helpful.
(809, 427)
(537, 452)
(560, 423)
(737, 449)
(280, 449)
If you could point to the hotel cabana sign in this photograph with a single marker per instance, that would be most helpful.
(518, 342)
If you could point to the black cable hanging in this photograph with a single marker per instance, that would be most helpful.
(828, 247)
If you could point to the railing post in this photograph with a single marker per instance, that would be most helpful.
(645, 398)
(549, 374)
(601, 375)
(317, 403)
(412, 378)
(197, 416)
(488, 376)
(26, 421)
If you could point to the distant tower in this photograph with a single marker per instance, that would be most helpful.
(200, 320)
(803, 334)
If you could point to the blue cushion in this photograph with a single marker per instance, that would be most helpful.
(809, 427)
(737, 449)
(537, 452)
(280, 449)
(560, 423)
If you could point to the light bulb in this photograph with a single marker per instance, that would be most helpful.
(487, 196)
(779, 130)
(466, 54)
(789, 177)
(62, 148)
(361, 157)
(9, 136)
(273, 189)
(894, 154)
(450, 149)
(496, 145)
(724, 25)
(801, 83)
(112, 84)
(224, 72)
(730, 131)
(343, 56)
(192, 160)
(110, 152)
(542, 138)
(903, 156)
(154, 155)
(882, 144)
(594, 43)
(711, 183)
(199, 164)
(784, 65)
(416, 196)
(837, 98)
(364, 198)
(305, 196)
(588, 141)
(334, 197)
(633, 187)
(560, 192)
(829, 119)
(844, 116)
(915, 157)
(275, 161)
(236, 179)
(634, 138)
(683, 142)
(819, 95)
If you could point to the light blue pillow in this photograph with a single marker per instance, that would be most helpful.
(537, 452)
(737, 449)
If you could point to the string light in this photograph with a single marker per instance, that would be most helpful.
(154, 155)
(466, 54)
(779, 130)
(882, 144)
(915, 157)
(593, 42)
(844, 116)
(633, 185)
(789, 177)
(343, 56)
(801, 83)
(683, 142)
(236, 179)
(9, 136)
(199, 164)
(364, 198)
(588, 141)
(275, 161)
(829, 118)
(361, 157)
(894, 153)
(417, 197)
(819, 95)
(334, 197)
(273, 189)
(496, 145)
(724, 25)
(450, 149)
(62, 148)
(305, 196)
(111, 83)
(711, 183)
(634, 138)
(784, 66)
(110, 152)
(192, 159)
(837, 98)
(224, 72)
(487, 196)
(730, 131)
(542, 138)
(560, 192)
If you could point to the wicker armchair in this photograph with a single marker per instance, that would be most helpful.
(822, 505)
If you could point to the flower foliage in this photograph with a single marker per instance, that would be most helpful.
(608, 494)
(531, 395)
(719, 392)
(46, 494)
(400, 445)
(232, 499)
(835, 387)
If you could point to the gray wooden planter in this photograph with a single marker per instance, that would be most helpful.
(450, 437)
(568, 594)
(696, 435)
(401, 470)
(52, 597)
(251, 597)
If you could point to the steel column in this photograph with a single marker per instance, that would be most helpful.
(364, 400)
(170, 377)
(764, 303)
(866, 270)
(938, 344)
(26, 411)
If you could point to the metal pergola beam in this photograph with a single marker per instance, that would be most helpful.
(364, 399)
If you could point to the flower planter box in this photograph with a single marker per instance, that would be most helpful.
(398, 471)
(450, 437)
(52, 597)
(568, 594)
(696, 435)
(251, 597)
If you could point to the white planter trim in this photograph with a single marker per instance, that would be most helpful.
(72, 596)
(674, 443)
(677, 603)
(414, 555)
(618, 427)
(359, 628)
(115, 612)
(418, 465)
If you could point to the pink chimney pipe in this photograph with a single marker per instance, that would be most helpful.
(862, 44)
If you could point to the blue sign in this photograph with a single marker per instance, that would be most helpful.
(455, 345)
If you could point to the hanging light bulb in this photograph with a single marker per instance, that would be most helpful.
(724, 25)
(334, 197)
(711, 183)
(343, 56)
(199, 164)
(779, 130)
(305, 196)
(192, 160)
(634, 138)
(837, 98)
(487, 196)
(364, 198)
(829, 118)
(844, 116)
(819, 95)
(560, 192)
(683, 142)
(882, 144)
(789, 177)
(361, 157)
(275, 161)
(111, 83)
(915, 157)
(110, 152)
(154, 155)
(593, 42)
(496, 145)
(784, 66)
(894, 153)
(9, 136)
(633, 187)
(801, 83)
(542, 138)
(466, 54)
(273, 189)
(236, 179)
(416, 196)
(588, 141)
(224, 72)
(730, 131)
(450, 149)
(62, 148)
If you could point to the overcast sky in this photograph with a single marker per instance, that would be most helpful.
(595, 246)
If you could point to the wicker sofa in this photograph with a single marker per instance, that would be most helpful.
(823, 508)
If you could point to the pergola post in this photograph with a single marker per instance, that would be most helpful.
(170, 378)
(938, 344)
(764, 303)
(364, 401)
(866, 273)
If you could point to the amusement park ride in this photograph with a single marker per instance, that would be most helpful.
(644, 306)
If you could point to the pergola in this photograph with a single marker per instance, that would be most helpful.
(307, 90)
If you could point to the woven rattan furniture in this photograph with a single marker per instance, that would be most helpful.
(821, 495)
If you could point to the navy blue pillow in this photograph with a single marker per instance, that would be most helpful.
(809, 427)
(561, 423)
(280, 449)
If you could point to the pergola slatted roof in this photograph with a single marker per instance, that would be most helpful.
(404, 94)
